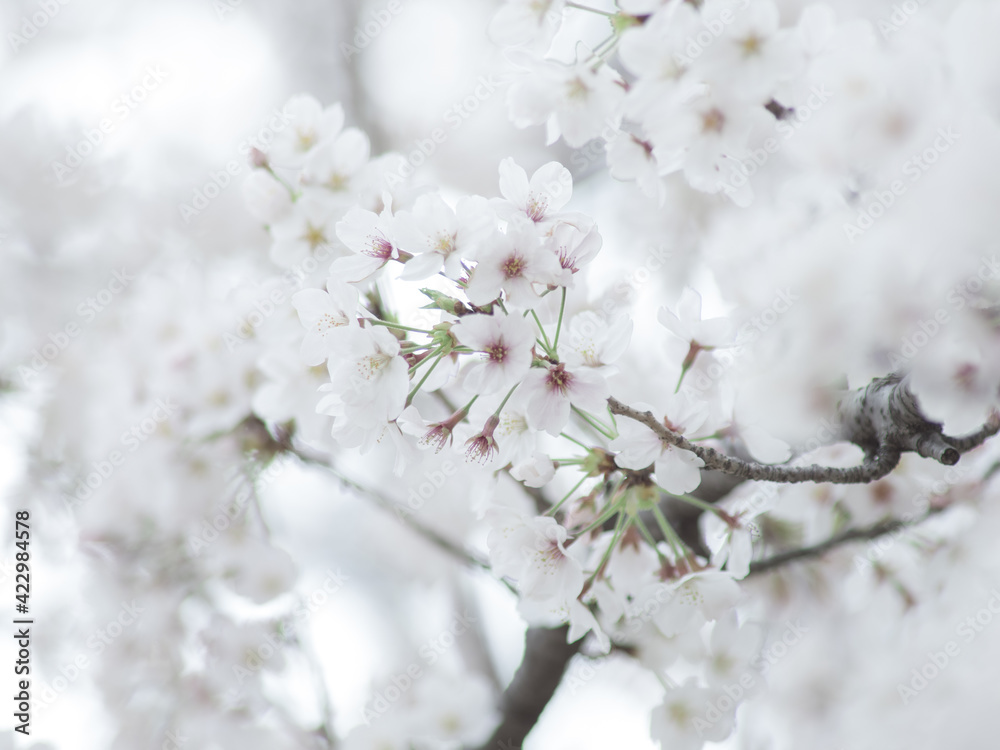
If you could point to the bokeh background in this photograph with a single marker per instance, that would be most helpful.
(186, 86)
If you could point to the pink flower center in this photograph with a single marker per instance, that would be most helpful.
(558, 380)
(497, 352)
(965, 376)
(379, 247)
(713, 121)
(513, 266)
(537, 206)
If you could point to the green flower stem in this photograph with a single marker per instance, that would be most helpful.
(695, 502)
(648, 536)
(594, 422)
(574, 440)
(504, 402)
(676, 543)
(587, 8)
(546, 343)
(291, 191)
(552, 511)
(562, 307)
(614, 507)
(397, 326)
(620, 525)
(412, 393)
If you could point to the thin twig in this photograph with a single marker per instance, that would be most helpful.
(966, 443)
(425, 531)
(865, 533)
(875, 467)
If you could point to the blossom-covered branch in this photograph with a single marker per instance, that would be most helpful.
(883, 418)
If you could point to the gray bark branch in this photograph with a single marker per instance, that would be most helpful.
(883, 419)
(546, 655)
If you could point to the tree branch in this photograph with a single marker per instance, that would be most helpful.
(546, 655)
(426, 532)
(851, 535)
(875, 466)
(966, 443)
(257, 437)
(883, 418)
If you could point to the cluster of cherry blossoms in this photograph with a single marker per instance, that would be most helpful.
(842, 127)
(505, 365)
(826, 181)
(691, 90)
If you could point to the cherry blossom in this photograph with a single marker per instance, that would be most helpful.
(506, 340)
(676, 469)
(310, 125)
(439, 235)
(536, 472)
(370, 237)
(368, 383)
(753, 54)
(337, 165)
(325, 314)
(594, 342)
(541, 198)
(694, 333)
(575, 246)
(515, 263)
(550, 391)
(693, 600)
(575, 101)
(311, 226)
(533, 552)
(685, 721)
(530, 22)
